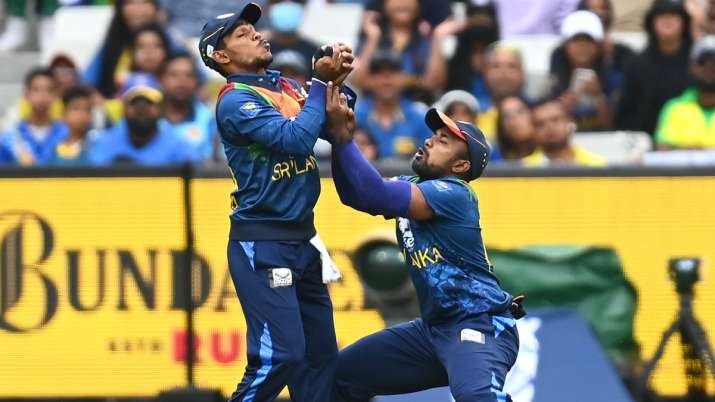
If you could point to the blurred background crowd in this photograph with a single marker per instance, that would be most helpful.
(550, 82)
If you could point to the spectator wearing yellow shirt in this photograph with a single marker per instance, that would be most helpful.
(554, 129)
(686, 122)
(504, 76)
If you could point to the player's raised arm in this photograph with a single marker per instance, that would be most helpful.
(359, 184)
(260, 121)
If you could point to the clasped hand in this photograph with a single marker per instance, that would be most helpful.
(341, 119)
(333, 63)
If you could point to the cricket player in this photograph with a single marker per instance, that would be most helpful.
(466, 338)
(268, 128)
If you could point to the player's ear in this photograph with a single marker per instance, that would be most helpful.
(461, 166)
(220, 57)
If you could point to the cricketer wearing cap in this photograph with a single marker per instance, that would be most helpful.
(268, 128)
(467, 337)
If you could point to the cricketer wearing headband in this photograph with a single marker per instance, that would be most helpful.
(466, 338)
(279, 266)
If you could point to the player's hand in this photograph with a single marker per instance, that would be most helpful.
(333, 63)
(326, 63)
(341, 119)
(347, 63)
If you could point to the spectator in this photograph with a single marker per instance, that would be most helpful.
(32, 141)
(285, 19)
(150, 49)
(660, 72)
(459, 106)
(709, 20)
(466, 68)
(554, 128)
(580, 75)
(66, 76)
(394, 124)
(397, 29)
(114, 108)
(65, 72)
(61, 68)
(516, 137)
(141, 137)
(504, 76)
(531, 17)
(187, 17)
(686, 121)
(615, 55)
(292, 65)
(188, 117)
(114, 57)
(433, 12)
(72, 150)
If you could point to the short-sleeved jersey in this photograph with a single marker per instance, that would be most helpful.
(19, 146)
(198, 130)
(446, 255)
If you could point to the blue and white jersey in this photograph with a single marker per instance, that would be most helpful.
(199, 131)
(446, 255)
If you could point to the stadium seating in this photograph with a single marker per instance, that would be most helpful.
(618, 147)
(80, 30)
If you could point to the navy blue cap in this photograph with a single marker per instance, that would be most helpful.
(218, 27)
(476, 142)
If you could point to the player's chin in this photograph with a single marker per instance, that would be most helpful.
(418, 163)
(265, 60)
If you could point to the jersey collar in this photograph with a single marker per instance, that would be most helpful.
(268, 80)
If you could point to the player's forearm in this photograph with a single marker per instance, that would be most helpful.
(361, 186)
(302, 133)
(298, 136)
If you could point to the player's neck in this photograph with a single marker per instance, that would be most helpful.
(248, 70)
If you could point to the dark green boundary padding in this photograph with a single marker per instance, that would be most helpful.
(588, 279)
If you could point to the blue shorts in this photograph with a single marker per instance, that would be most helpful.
(472, 356)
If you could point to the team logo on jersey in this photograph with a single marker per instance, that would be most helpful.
(441, 186)
(250, 109)
(408, 239)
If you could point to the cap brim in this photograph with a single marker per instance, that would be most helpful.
(436, 120)
(251, 13)
(150, 94)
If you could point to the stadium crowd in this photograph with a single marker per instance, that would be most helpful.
(146, 99)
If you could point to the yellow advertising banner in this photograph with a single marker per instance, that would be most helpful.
(90, 271)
